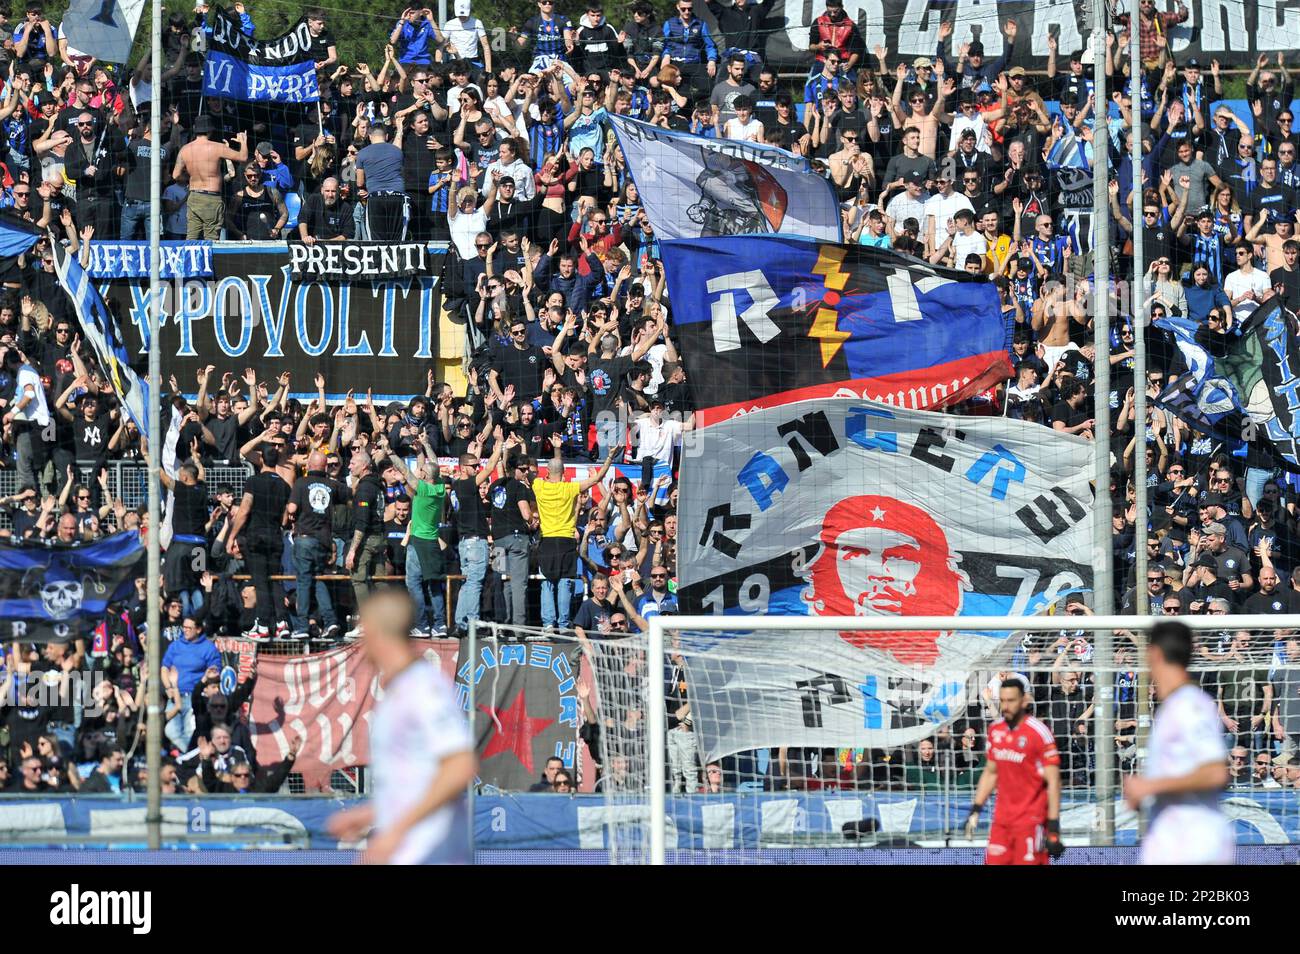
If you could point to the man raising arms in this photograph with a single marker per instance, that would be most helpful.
(202, 158)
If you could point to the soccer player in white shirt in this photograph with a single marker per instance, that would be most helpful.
(421, 750)
(1186, 765)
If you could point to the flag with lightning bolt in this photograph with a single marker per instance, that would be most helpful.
(768, 320)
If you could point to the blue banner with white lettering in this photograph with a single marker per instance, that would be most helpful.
(231, 78)
(765, 321)
(56, 591)
(132, 259)
(279, 70)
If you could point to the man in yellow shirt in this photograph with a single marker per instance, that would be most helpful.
(557, 513)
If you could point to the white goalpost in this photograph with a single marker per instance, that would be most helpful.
(797, 733)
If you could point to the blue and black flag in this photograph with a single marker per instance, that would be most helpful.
(16, 235)
(62, 591)
(1242, 386)
(279, 70)
(100, 330)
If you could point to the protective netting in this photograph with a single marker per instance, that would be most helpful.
(763, 749)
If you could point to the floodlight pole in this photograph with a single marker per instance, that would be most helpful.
(153, 728)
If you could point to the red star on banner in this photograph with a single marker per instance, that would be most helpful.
(515, 732)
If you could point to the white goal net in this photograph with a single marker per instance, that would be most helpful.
(737, 740)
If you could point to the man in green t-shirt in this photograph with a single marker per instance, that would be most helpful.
(428, 497)
(557, 556)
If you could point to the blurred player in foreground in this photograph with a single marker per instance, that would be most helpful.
(420, 749)
(1025, 768)
(1186, 765)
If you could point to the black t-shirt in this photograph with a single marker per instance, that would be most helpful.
(1277, 202)
(1067, 415)
(315, 496)
(394, 534)
(522, 367)
(91, 437)
(417, 162)
(270, 497)
(138, 153)
(320, 45)
(368, 499)
(1291, 279)
(26, 724)
(1077, 365)
(1268, 603)
(226, 434)
(606, 377)
(504, 496)
(303, 137)
(1158, 242)
(326, 222)
(257, 214)
(189, 509)
(471, 509)
(590, 616)
(187, 97)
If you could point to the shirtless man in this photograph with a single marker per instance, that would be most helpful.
(922, 115)
(1051, 320)
(202, 159)
(1284, 231)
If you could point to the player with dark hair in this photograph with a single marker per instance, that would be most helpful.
(420, 747)
(1025, 768)
(1187, 762)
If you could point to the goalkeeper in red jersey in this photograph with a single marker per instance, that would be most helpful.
(1025, 768)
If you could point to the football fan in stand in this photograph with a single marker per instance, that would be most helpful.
(1025, 768)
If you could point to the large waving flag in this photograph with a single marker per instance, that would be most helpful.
(768, 321)
(54, 592)
(844, 507)
(100, 330)
(692, 186)
(104, 29)
(1242, 386)
(279, 70)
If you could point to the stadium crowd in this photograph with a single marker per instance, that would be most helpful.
(556, 465)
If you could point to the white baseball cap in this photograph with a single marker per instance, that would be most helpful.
(462, 8)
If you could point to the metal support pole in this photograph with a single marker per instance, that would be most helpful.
(471, 657)
(1137, 291)
(154, 714)
(1103, 576)
(656, 736)
(1141, 320)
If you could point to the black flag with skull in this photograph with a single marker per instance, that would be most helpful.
(62, 591)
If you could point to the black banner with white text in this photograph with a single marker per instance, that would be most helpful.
(1234, 32)
(358, 261)
(253, 312)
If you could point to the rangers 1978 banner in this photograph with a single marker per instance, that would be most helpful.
(844, 507)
